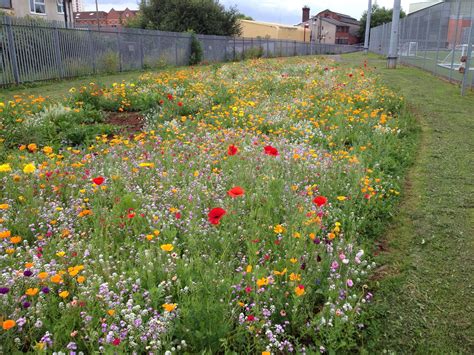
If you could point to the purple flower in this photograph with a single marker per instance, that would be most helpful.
(27, 273)
(45, 290)
(4, 290)
(350, 283)
(26, 304)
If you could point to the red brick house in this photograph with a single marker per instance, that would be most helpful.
(113, 18)
(347, 27)
(332, 27)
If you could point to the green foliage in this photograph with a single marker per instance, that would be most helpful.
(201, 16)
(54, 125)
(109, 62)
(380, 15)
(253, 53)
(196, 51)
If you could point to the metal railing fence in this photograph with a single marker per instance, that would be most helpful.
(32, 50)
(438, 39)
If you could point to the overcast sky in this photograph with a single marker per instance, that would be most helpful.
(281, 11)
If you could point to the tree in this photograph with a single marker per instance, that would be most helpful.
(380, 15)
(200, 16)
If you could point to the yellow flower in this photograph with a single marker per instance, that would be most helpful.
(31, 291)
(341, 198)
(295, 277)
(47, 150)
(299, 290)
(293, 260)
(169, 307)
(32, 147)
(43, 275)
(262, 282)
(280, 273)
(279, 229)
(146, 165)
(29, 168)
(167, 247)
(266, 353)
(61, 253)
(5, 168)
(81, 279)
(111, 312)
(248, 269)
(4, 206)
(64, 294)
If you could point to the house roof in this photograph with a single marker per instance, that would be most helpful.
(89, 15)
(344, 18)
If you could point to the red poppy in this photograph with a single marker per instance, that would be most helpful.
(98, 180)
(269, 150)
(320, 200)
(232, 150)
(180, 104)
(170, 97)
(250, 318)
(236, 191)
(116, 341)
(215, 215)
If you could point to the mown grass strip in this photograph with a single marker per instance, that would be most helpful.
(424, 293)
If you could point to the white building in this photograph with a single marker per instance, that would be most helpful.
(77, 5)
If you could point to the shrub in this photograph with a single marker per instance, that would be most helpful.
(196, 51)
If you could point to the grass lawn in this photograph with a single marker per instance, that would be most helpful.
(58, 89)
(425, 288)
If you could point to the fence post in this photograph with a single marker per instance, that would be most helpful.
(234, 50)
(12, 49)
(57, 52)
(455, 40)
(469, 57)
(119, 49)
(438, 43)
(176, 49)
(427, 37)
(92, 51)
(140, 44)
(268, 48)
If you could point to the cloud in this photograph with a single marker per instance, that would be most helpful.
(280, 11)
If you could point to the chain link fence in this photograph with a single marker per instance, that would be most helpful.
(437, 39)
(32, 50)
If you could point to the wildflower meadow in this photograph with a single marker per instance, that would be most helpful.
(236, 212)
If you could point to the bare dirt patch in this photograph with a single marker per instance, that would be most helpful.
(128, 122)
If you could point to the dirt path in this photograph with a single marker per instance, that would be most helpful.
(425, 300)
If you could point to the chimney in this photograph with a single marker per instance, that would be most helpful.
(305, 14)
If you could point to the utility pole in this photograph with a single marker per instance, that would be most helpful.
(393, 49)
(367, 28)
(97, 14)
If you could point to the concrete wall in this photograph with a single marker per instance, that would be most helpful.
(328, 33)
(254, 29)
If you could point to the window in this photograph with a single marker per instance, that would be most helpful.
(6, 4)
(60, 6)
(37, 6)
